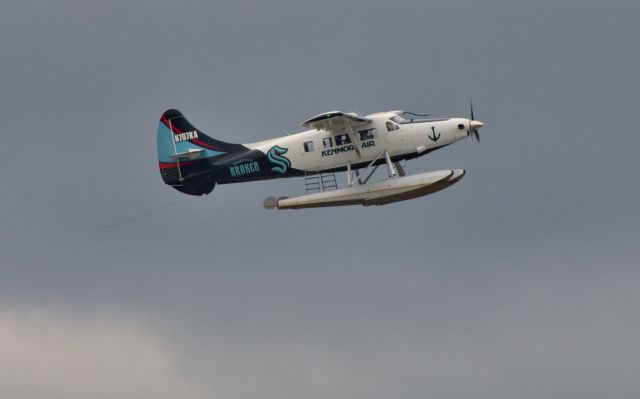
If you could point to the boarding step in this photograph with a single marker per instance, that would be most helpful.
(318, 182)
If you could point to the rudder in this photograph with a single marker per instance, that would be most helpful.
(184, 154)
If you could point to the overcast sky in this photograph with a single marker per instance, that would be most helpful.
(519, 281)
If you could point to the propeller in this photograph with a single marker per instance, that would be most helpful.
(474, 125)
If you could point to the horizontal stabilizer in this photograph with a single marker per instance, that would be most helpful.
(190, 154)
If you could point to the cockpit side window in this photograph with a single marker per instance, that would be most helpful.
(326, 142)
(391, 126)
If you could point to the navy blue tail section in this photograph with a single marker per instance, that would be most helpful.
(186, 154)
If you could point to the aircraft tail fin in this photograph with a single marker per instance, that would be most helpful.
(184, 154)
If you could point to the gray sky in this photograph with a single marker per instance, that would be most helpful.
(519, 281)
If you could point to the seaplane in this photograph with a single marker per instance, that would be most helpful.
(193, 163)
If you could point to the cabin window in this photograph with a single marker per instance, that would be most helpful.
(368, 134)
(342, 139)
(308, 146)
(460, 126)
(326, 142)
(391, 126)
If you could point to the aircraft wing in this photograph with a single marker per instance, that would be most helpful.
(335, 121)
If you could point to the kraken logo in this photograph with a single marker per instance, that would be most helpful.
(275, 157)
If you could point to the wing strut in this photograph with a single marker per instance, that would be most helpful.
(390, 168)
(356, 144)
(351, 172)
(400, 169)
(371, 168)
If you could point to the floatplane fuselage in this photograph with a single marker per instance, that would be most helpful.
(193, 162)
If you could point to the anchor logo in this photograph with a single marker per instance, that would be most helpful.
(435, 136)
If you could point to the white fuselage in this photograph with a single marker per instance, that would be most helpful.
(317, 150)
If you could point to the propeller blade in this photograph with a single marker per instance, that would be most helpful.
(473, 124)
(471, 106)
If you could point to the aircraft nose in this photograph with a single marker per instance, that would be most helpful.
(476, 124)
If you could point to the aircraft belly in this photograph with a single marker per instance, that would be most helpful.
(380, 193)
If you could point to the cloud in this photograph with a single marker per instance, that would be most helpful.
(59, 355)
